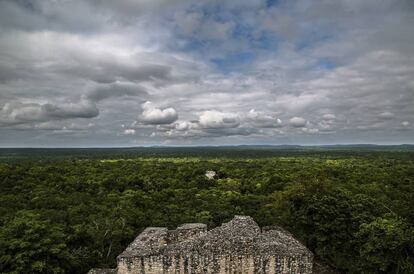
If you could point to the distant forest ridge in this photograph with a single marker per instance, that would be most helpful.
(205, 151)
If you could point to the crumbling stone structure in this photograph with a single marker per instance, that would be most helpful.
(239, 246)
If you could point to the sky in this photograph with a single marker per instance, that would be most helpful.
(97, 73)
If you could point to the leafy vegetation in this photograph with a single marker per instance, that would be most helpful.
(66, 212)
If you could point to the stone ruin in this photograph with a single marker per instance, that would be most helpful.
(210, 174)
(239, 246)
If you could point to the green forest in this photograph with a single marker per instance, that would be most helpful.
(66, 211)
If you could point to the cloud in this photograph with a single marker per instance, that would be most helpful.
(116, 90)
(129, 131)
(328, 117)
(386, 115)
(310, 130)
(213, 119)
(156, 116)
(297, 122)
(82, 109)
(183, 126)
(235, 71)
(263, 120)
(106, 70)
(59, 126)
(21, 113)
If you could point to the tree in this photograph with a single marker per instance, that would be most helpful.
(29, 244)
(386, 246)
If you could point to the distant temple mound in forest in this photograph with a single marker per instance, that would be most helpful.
(239, 246)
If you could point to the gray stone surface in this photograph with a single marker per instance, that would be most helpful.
(239, 246)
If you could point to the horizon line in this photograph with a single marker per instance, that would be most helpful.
(205, 146)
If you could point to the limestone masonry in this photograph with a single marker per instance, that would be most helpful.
(239, 246)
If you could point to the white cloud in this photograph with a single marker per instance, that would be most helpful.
(129, 131)
(182, 126)
(156, 116)
(216, 119)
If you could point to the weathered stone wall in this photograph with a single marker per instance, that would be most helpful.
(222, 264)
(236, 247)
